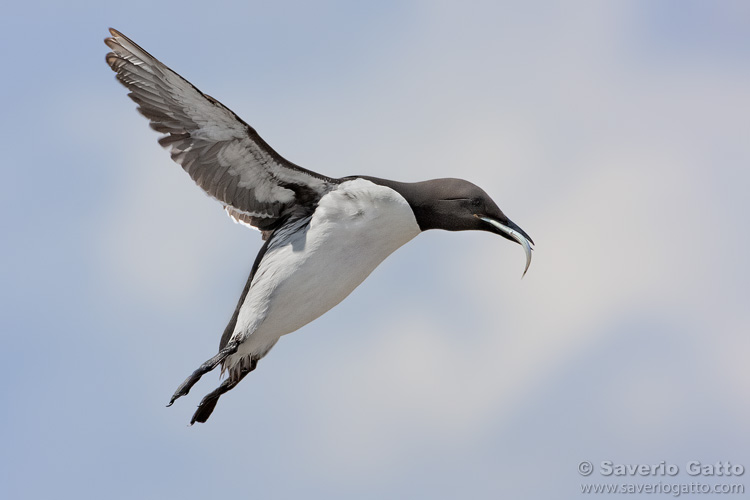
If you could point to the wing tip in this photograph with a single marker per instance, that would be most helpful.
(111, 41)
(114, 44)
(120, 43)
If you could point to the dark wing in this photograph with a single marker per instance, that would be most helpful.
(224, 155)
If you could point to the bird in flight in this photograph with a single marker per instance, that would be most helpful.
(322, 236)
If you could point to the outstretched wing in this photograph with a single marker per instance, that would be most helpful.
(224, 155)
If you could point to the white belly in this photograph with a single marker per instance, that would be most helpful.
(305, 274)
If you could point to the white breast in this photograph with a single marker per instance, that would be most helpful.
(307, 272)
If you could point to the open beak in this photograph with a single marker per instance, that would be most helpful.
(513, 232)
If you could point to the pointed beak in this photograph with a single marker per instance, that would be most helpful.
(511, 231)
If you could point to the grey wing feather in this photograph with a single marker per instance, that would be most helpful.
(223, 154)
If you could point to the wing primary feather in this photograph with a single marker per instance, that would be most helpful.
(224, 155)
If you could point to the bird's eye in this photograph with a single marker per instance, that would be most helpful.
(476, 202)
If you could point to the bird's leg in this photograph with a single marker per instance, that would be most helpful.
(206, 367)
(208, 403)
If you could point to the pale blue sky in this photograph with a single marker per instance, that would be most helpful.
(615, 133)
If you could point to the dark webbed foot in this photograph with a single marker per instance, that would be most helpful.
(206, 367)
(207, 405)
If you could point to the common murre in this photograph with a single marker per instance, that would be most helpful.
(323, 236)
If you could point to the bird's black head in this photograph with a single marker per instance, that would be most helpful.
(458, 205)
